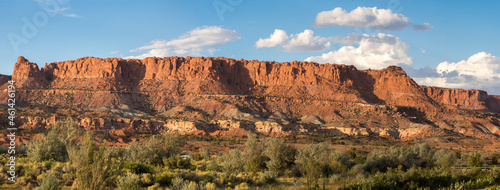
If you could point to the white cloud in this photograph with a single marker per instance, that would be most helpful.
(114, 52)
(55, 7)
(301, 42)
(276, 38)
(374, 51)
(480, 71)
(366, 17)
(192, 43)
(422, 27)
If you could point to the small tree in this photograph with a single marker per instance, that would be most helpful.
(48, 148)
(281, 156)
(253, 154)
(93, 169)
(154, 149)
(317, 160)
(444, 158)
(231, 161)
(475, 160)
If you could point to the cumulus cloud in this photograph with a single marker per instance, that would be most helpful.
(301, 42)
(276, 38)
(194, 42)
(366, 17)
(480, 71)
(373, 51)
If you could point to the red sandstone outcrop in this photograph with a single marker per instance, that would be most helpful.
(198, 95)
(463, 99)
(180, 76)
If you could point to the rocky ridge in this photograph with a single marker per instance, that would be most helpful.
(213, 95)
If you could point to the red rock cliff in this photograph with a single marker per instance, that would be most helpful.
(179, 76)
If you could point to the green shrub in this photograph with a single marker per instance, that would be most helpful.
(444, 158)
(94, 170)
(129, 182)
(147, 179)
(136, 168)
(475, 160)
(153, 150)
(177, 162)
(494, 159)
(48, 148)
(212, 166)
(253, 154)
(181, 184)
(165, 178)
(231, 161)
(420, 155)
(281, 156)
(49, 182)
(242, 186)
(156, 186)
(268, 177)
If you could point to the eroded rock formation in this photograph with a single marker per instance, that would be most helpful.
(213, 95)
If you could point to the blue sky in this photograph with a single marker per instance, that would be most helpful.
(443, 43)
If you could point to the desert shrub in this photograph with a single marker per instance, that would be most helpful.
(165, 177)
(420, 155)
(475, 160)
(153, 150)
(360, 159)
(205, 153)
(137, 168)
(177, 162)
(147, 179)
(242, 186)
(48, 148)
(128, 182)
(67, 131)
(444, 158)
(116, 152)
(156, 186)
(351, 154)
(281, 156)
(253, 154)
(212, 166)
(49, 182)
(93, 169)
(268, 177)
(210, 186)
(317, 160)
(231, 161)
(494, 159)
(181, 184)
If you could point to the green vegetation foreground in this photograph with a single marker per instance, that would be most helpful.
(62, 159)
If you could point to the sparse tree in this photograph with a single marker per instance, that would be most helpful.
(231, 161)
(281, 156)
(253, 154)
(475, 160)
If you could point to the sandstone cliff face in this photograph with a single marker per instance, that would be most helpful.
(27, 74)
(224, 96)
(462, 99)
(181, 76)
(200, 75)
